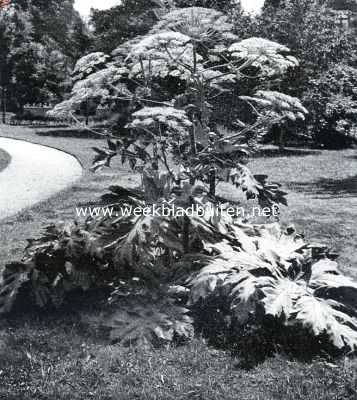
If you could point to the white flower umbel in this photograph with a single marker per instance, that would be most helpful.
(270, 57)
(89, 64)
(200, 24)
(107, 78)
(281, 104)
(163, 54)
(169, 118)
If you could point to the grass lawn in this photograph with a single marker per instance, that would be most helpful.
(61, 207)
(4, 159)
(322, 198)
(55, 357)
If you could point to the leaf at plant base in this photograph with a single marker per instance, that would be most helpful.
(231, 271)
(277, 246)
(140, 248)
(204, 283)
(328, 283)
(12, 278)
(79, 277)
(323, 316)
(280, 297)
(147, 324)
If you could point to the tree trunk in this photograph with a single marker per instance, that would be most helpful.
(281, 139)
(87, 113)
(3, 104)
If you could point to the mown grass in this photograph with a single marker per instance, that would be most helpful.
(322, 198)
(15, 230)
(4, 159)
(56, 357)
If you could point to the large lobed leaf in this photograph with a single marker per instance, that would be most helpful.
(149, 323)
(281, 278)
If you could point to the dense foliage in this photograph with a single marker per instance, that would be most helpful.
(310, 30)
(39, 43)
(114, 26)
(131, 18)
(332, 98)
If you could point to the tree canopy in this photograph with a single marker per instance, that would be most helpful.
(120, 23)
(309, 29)
(40, 41)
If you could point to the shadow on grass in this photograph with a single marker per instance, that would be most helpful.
(288, 152)
(78, 133)
(346, 187)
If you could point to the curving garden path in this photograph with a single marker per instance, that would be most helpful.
(34, 174)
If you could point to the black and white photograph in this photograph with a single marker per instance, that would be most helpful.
(178, 199)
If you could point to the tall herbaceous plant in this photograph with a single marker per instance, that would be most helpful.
(214, 273)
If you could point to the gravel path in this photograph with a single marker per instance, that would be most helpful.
(34, 174)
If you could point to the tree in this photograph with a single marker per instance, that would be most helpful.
(331, 99)
(131, 18)
(272, 3)
(114, 26)
(342, 5)
(224, 5)
(39, 42)
(314, 49)
(18, 54)
(309, 29)
(81, 40)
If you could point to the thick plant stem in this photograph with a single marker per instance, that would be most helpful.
(87, 113)
(186, 222)
(193, 148)
(186, 235)
(212, 182)
(281, 139)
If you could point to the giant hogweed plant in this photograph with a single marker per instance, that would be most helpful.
(165, 268)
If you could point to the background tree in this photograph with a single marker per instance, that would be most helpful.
(223, 5)
(309, 28)
(131, 18)
(114, 26)
(40, 41)
(342, 4)
(332, 99)
(18, 57)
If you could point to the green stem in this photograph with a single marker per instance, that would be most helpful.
(212, 182)
(186, 235)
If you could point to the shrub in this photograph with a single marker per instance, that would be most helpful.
(332, 98)
(325, 53)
